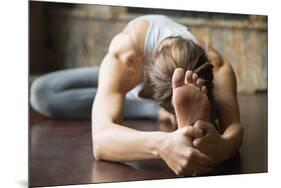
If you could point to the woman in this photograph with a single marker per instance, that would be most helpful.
(159, 59)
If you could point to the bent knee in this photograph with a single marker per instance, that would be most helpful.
(40, 92)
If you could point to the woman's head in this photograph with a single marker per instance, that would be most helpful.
(172, 53)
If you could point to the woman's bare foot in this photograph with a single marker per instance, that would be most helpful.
(189, 99)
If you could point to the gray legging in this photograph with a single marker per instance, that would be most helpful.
(69, 94)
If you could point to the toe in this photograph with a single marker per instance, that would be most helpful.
(194, 78)
(178, 78)
(188, 77)
(204, 89)
(199, 82)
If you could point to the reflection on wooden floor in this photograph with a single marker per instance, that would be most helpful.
(61, 151)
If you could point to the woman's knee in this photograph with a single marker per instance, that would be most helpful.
(40, 92)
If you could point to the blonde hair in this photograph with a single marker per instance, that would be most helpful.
(173, 53)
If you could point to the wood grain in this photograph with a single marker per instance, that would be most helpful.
(61, 151)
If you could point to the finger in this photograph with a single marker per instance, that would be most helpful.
(201, 158)
(207, 127)
(196, 142)
(194, 132)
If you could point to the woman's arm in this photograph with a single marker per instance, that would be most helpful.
(223, 145)
(111, 140)
(225, 95)
(119, 73)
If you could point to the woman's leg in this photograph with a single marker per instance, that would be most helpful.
(66, 94)
(143, 108)
(69, 94)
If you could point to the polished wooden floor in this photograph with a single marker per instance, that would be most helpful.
(61, 151)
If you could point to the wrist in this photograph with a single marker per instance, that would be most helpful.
(160, 144)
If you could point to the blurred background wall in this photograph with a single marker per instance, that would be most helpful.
(65, 36)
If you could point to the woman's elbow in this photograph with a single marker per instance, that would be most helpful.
(96, 152)
(100, 137)
(97, 148)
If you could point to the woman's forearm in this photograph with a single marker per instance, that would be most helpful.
(233, 136)
(119, 143)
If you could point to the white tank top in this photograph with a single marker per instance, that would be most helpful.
(160, 27)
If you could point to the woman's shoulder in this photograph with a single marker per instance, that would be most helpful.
(137, 30)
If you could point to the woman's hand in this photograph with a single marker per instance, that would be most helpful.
(178, 153)
(212, 143)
